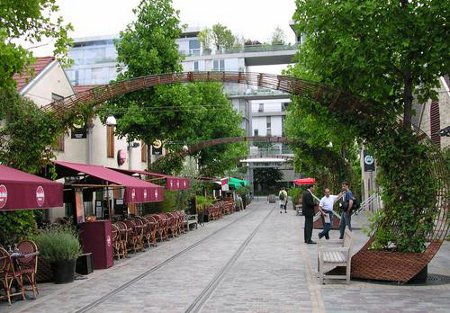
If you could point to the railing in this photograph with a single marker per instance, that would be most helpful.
(243, 49)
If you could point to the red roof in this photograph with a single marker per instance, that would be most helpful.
(136, 190)
(20, 190)
(23, 79)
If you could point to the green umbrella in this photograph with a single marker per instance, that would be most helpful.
(237, 183)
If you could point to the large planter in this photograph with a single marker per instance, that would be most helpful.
(63, 271)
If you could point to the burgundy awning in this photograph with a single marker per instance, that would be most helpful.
(20, 190)
(136, 190)
(172, 182)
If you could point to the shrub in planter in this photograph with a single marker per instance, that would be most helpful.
(59, 245)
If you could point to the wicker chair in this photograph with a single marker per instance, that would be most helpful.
(153, 229)
(8, 275)
(28, 265)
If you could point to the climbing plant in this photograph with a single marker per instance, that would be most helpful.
(389, 53)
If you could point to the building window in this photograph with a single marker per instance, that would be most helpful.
(110, 141)
(144, 152)
(255, 132)
(268, 122)
(269, 132)
(435, 123)
(56, 97)
(261, 107)
(196, 66)
(284, 106)
(219, 65)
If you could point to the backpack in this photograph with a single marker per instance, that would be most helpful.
(356, 204)
(282, 196)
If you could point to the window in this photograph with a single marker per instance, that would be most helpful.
(435, 123)
(255, 132)
(196, 66)
(56, 97)
(144, 152)
(284, 106)
(261, 107)
(268, 122)
(194, 47)
(219, 65)
(110, 141)
(269, 132)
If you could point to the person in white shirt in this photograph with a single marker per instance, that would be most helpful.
(283, 196)
(326, 209)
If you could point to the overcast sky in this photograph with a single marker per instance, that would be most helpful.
(252, 19)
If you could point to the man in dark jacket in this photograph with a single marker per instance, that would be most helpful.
(308, 212)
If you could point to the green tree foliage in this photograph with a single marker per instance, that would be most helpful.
(324, 148)
(278, 36)
(30, 21)
(267, 178)
(219, 35)
(180, 113)
(25, 131)
(386, 52)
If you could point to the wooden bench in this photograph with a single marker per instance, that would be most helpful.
(335, 253)
(191, 219)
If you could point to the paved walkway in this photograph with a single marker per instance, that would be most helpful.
(251, 261)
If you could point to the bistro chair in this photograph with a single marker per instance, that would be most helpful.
(29, 263)
(8, 275)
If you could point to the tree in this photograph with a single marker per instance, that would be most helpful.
(180, 113)
(30, 21)
(20, 119)
(278, 36)
(267, 178)
(386, 52)
(218, 35)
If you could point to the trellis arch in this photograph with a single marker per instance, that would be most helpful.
(366, 263)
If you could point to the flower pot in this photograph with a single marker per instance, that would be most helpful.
(63, 271)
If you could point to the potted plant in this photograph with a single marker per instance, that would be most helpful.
(202, 203)
(59, 245)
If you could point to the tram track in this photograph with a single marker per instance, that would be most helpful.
(134, 280)
(201, 299)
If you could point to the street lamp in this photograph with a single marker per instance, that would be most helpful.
(111, 121)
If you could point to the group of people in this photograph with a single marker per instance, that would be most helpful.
(326, 205)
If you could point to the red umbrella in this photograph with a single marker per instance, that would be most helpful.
(305, 181)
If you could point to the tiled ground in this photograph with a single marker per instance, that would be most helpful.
(273, 272)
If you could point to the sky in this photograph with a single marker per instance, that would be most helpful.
(251, 19)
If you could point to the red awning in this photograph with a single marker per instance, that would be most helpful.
(136, 190)
(20, 190)
(305, 181)
(172, 182)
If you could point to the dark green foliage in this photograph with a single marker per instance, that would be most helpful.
(15, 226)
(386, 52)
(58, 243)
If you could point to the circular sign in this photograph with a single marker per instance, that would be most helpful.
(108, 240)
(40, 196)
(368, 159)
(145, 193)
(133, 194)
(3, 196)
(156, 193)
(121, 157)
(157, 144)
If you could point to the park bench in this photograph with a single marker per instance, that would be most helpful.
(333, 253)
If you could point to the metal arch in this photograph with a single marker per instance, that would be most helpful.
(366, 263)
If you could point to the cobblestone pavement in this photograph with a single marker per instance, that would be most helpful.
(250, 261)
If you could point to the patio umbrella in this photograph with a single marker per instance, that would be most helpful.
(305, 181)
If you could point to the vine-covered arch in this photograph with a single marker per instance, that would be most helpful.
(366, 263)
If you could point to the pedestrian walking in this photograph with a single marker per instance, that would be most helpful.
(326, 209)
(346, 206)
(283, 196)
(308, 212)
